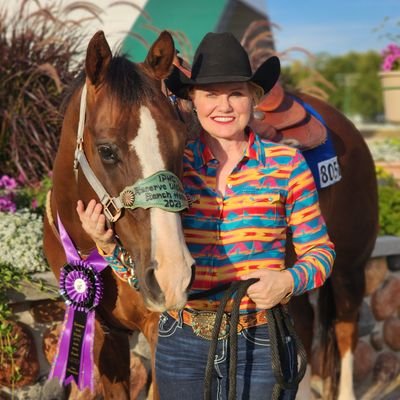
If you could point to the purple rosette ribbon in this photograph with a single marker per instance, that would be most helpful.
(82, 288)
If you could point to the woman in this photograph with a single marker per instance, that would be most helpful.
(245, 193)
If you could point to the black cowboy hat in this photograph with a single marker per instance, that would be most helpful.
(220, 58)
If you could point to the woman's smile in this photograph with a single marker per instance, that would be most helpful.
(223, 109)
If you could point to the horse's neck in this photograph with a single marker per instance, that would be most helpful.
(65, 193)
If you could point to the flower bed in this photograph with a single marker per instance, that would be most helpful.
(21, 240)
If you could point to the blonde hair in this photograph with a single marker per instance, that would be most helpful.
(257, 92)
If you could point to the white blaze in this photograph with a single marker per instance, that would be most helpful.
(168, 246)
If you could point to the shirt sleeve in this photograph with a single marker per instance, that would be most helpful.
(314, 249)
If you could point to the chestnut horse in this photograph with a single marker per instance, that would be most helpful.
(130, 132)
(350, 209)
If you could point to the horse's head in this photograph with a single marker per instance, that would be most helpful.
(131, 133)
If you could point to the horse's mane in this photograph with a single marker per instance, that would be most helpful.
(124, 79)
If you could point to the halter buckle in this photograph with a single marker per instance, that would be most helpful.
(111, 210)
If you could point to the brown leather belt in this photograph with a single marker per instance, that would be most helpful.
(202, 322)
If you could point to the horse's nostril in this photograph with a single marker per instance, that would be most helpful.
(152, 284)
(192, 277)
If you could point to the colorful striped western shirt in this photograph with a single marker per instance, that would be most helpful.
(270, 191)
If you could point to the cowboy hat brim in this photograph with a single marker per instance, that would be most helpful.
(266, 76)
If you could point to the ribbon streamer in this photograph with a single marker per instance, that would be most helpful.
(82, 288)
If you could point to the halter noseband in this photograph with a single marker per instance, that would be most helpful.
(162, 189)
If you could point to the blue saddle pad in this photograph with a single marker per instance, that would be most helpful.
(322, 160)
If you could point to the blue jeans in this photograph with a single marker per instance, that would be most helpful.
(181, 360)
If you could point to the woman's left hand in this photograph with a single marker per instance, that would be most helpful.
(271, 289)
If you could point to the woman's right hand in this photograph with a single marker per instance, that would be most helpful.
(94, 224)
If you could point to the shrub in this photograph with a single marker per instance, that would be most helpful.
(389, 203)
(385, 150)
(38, 50)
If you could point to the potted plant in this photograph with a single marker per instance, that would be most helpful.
(390, 79)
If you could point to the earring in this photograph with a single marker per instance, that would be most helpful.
(194, 110)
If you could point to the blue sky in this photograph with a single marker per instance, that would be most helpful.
(336, 27)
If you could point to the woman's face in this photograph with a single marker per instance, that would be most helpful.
(223, 109)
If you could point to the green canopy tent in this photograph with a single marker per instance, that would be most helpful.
(188, 21)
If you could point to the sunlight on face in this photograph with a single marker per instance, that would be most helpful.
(223, 109)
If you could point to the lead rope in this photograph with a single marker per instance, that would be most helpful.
(279, 326)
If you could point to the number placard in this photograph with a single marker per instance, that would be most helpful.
(329, 172)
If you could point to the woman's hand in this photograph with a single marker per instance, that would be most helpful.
(271, 289)
(94, 224)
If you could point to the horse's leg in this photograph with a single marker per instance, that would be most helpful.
(348, 291)
(113, 358)
(303, 315)
(150, 331)
(111, 369)
(346, 332)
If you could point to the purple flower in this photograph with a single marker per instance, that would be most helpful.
(8, 183)
(7, 205)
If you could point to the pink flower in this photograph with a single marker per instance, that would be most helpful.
(8, 183)
(391, 58)
(34, 204)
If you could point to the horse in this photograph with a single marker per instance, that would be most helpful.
(129, 133)
(350, 209)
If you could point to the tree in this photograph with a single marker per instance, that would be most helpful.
(355, 86)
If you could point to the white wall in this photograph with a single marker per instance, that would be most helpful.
(116, 20)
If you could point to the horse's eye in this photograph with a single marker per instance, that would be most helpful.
(108, 154)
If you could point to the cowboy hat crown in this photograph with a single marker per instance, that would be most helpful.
(220, 58)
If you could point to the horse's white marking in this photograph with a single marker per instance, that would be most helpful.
(147, 145)
(346, 391)
(304, 392)
(168, 247)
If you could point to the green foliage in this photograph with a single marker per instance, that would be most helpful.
(389, 203)
(34, 196)
(389, 210)
(355, 86)
(11, 279)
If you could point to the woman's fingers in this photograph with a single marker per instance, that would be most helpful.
(94, 224)
(92, 219)
(97, 211)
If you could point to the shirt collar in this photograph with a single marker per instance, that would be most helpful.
(204, 155)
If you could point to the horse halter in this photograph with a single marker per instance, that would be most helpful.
(162, 190)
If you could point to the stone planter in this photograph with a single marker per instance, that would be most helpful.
(390, 81)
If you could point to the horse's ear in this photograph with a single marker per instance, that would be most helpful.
(160, 56)
(98, 56)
